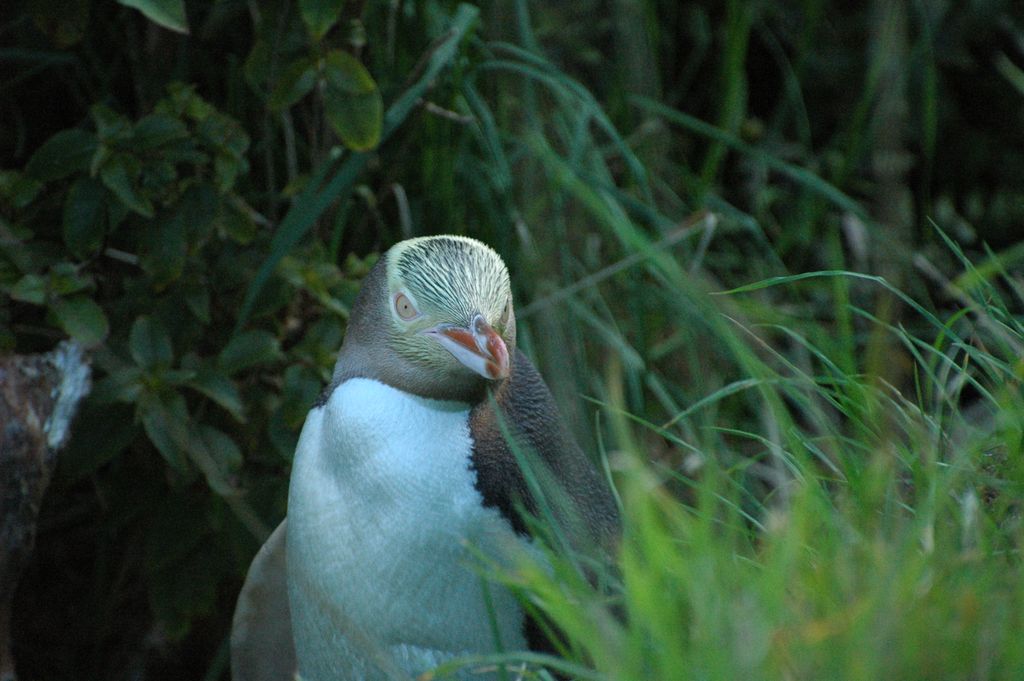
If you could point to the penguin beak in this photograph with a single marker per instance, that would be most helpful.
(479, 347)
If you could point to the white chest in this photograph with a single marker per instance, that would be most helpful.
(384, 523)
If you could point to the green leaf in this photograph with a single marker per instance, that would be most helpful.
(221, 389)
(110, 125)
(150, 344)
(177, 377)
(102, 155)
(167, 13)
(166, 421)
(235, 222)
(84, 217)
(18, 189)
(163, 248)
(319, 345)
(66, 279)
(299, 390)
(122, 385)
(186, 151)
(31, 288)
(21, 252)
(320, 15)
(156, 130)
(228, 142)
(283, 435)
(82, 319)
(120, 173)
(182, 100)
(160, 178)
(66, 153)
(216, 455)
(352, 102)
(257, 65)
(247, 349)
(226, 168)
(294, 83)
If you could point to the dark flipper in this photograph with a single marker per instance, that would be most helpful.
(578, 494)
(575, 493)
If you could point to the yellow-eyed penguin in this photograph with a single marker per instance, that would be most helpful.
(404, 475)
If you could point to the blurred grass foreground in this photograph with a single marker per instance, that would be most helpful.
(767, 255)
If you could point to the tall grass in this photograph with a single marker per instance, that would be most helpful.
(844, 530)
(820, 473)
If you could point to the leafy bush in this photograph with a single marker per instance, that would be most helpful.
(134, 238)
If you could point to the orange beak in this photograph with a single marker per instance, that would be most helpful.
(479, 348)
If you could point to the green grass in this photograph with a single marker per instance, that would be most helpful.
(820, 473)
(887, 547)
(823, 523)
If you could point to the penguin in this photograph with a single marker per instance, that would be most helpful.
(408, 470)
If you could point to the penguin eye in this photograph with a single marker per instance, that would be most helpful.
(404, 307)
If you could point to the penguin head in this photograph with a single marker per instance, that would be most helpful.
(434, 318)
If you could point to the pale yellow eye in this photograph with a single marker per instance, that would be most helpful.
(404, 307)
